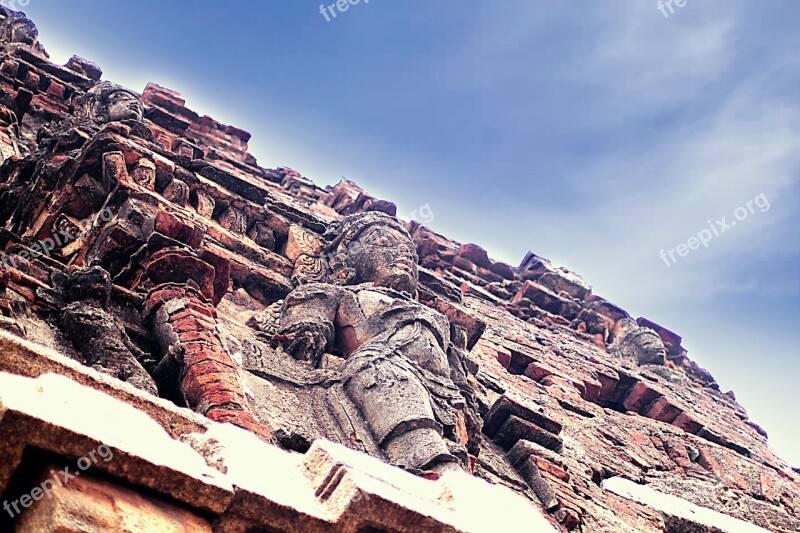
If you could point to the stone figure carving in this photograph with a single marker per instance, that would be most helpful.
(104, 103)
(95, 332)
(403, 362)
(17, 28)
(9, 129)
(637, 344)
(107, 102)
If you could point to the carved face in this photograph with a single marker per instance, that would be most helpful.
(24, 31)
(648, 347)
(385, 257)
(122, 105)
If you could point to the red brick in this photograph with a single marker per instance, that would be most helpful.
(190, 324)
(687, 423)
(242, 419)
(547, 466)
(159, 297)
(663, 410)
(197, 351)
(213, 381)
(504, 358)
(592, 388)
(208, 337)
(205, 399)
(202, 308)
(206, 321)
(536, 371)
(195, 369)
(639, 396)
(56, 90)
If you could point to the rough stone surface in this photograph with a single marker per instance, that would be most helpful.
(226, 478)
(87, 504)
(50, 414)
(679, 514)
(146, 255)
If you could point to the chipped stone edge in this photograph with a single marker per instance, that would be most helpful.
(678, 508)
(47, 401)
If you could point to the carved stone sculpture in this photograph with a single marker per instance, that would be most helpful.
(9, 131)
(96, 333)
(107, 102)
(402, 366)
(639, 345)
(104, 103)
(17, 28)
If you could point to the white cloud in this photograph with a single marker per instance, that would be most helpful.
(642, 61)
(646, 197)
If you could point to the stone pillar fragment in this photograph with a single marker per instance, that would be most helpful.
(181, 310)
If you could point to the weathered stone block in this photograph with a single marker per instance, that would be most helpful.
(505, 407)
(88, 504)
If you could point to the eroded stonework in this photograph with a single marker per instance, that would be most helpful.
(141, 239)
(402, 359)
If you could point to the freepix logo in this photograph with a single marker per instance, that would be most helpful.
(16, 5)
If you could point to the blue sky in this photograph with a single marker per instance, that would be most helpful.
(595, 134)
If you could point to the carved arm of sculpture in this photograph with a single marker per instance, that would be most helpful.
(307, 323)
(461, 366)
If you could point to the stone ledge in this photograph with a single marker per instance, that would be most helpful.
(679, 514)
(24, 358)
(225, 473)
(90, 504)
(55, 414)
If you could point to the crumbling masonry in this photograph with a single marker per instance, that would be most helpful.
(261, 353)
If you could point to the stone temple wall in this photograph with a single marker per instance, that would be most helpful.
(197, 319)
